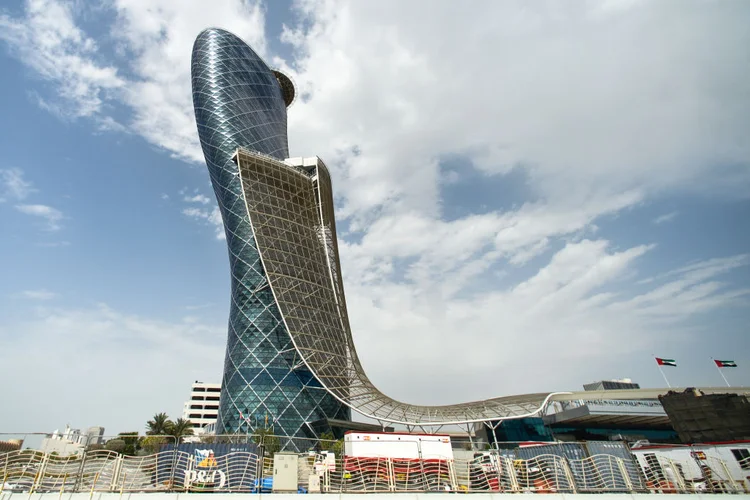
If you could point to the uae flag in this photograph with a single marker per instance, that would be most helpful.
(725, 363)
(666, 362)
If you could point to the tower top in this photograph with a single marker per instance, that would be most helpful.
(287, 87)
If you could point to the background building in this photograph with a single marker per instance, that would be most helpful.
(71, 441)
(202, 408)
(597, 417)
(611, 385)
(688, 416)
(94, 435)
(10, 445)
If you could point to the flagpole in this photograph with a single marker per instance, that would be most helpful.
(720, 373)
(665, 377)
(662, 372)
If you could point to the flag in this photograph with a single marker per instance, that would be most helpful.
(666, 362)
(725, 363)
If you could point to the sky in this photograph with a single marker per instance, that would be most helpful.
(530, 196)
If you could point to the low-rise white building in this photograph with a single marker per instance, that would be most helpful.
(71, 441)
(203, 406)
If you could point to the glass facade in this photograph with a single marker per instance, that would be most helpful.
(239, 103)
(520, 429)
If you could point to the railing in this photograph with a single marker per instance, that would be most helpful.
(174, 470)
(101, 470)
(710, 475)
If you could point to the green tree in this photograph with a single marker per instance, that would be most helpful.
(152, 444)
(338, 447)
(180, 429)
(327, 439)
(116, 445)
(264, 437)
(132, 443)
(159, 426)
(328, 442)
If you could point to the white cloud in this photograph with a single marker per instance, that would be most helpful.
(212, 217)
(117, 355)
(13, 186)
(666, 217)
(534, 90)
(531, 88)
(198, 198)
(158, 37)
(52, 216)
(569, 316)
(550, 101)
(41, 294)
(434, 247)
(690, 288)
(48, 40)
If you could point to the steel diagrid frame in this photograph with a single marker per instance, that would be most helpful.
(291, 214)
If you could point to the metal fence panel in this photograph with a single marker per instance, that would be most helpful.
(622, 451)
(214, 466)
(20, 469)
(58, 473)
(228, 467)
(571, 451)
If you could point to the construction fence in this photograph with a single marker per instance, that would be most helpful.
(248, 468)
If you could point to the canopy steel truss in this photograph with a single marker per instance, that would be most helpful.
(291, 213)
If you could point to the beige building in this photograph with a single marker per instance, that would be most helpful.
(203, 406)
(10, 445)
(71, 441)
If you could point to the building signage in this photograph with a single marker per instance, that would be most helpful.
(217, 466)
(622, 402)
(205, 471)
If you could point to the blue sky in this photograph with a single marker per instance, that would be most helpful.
(528, 198)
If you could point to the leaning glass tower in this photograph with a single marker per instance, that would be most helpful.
(241, 104)
(291, 360)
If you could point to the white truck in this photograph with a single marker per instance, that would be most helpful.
(398, 445)
(378, 461)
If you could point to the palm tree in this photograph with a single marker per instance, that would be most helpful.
(181, 428)
(160, 425)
